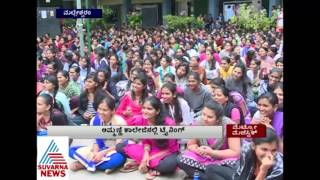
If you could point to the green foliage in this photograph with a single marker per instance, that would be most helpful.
(102, 22)
(182, 22)
(134, 20)
(196, 23)
(252, 20)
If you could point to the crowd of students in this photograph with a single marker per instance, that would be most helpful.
(154, 77)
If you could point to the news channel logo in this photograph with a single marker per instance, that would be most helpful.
(52, 158)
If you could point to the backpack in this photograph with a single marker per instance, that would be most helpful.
(228, 110)
(241, 104)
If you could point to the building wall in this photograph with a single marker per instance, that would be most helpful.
(200, 7)
(50, 24)
(115, 2)
(146, 1)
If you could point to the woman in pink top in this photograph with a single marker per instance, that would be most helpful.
(131, 103)
(266, 61)
(202, 52)
(152, 156)
(214, 54)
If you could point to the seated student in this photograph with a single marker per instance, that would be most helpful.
(152, 156)
(240, 83)
(126, 85)
(273, 78)
(153, 77)
(41, 69)
(181, 75)
(74, 76)
(103, 155)
(225, 68)
(107, 84)
(196, 94)
(278, 90)
(235, 97)
(279, 65)
(221, 95)
(204, 153)
(52, 69)
(69, 88)
(88, 100)
(47, 115)
(215, 83)
(138, 63)
(51, 87)
(210, 65)
(255, 76)
(165, 68)
(115, 68)
(267, 113)
(259, 160)
(195, 67)
(85, 69)
(174, 105)
(170, 78)
(131, 103)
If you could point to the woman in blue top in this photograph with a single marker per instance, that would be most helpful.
(165, 67)
(51, 86)
(103, 155)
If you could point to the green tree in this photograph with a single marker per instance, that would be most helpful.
(252, 20)
(182, 22)
(134, 20)
(103, 22)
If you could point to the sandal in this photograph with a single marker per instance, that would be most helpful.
(109, 171)
(152, 174)
(75, 166)
(129, 167)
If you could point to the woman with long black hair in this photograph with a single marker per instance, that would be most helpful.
(152, 156)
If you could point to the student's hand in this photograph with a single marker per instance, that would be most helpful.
(265, 120)
(105, 85)
(149, 73)
(95, 148)
(255, 121)
(128, 112)
(86, 116)
(206, 150)
(143, 166)
(39, 119)
(267, 162)
(97, 157)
